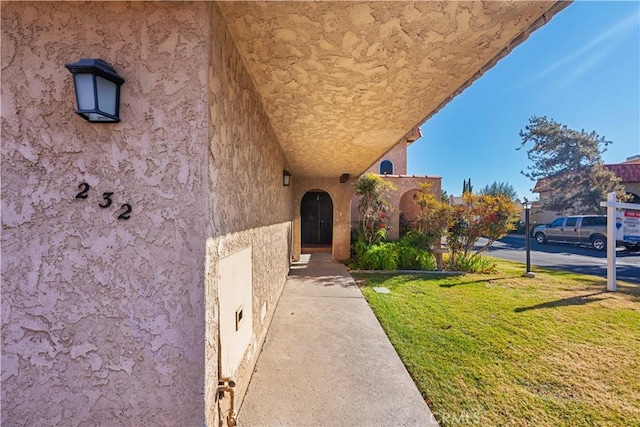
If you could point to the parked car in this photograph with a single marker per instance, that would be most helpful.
(579, 229)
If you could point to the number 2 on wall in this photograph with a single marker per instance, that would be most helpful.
(85, 189)
(126, 208)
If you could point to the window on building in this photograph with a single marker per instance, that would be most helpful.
(386, 167)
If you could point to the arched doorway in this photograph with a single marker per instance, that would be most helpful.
(316, 220)
(409, 210)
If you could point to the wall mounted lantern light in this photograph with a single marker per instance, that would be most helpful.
(97, 90)
(286, 178)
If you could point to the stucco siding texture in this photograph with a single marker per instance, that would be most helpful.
(405, 186)
(102, 319)
(341, 194)
(397, 156)
(344, 81)
(632, 187)
(248, 204)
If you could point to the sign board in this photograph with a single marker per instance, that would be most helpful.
(628, 225)
(623, 221)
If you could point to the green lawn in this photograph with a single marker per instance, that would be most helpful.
(557, 350)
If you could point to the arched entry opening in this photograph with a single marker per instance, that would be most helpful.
(409, 210)
(316, 222)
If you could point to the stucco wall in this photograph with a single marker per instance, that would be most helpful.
(102, 319)
(397, 155)
(248, 204)
(632, 187)
(341, 194)
(403, 185)
(343, 80)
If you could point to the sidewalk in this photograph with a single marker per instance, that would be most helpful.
(326, 360)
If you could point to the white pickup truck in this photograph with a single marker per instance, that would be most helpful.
(579, 230)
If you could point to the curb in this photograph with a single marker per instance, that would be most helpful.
(417, 272)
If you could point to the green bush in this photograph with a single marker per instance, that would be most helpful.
(416, 238)
(472, 264)
(381, 256)
(414, 258)
(391, 256)
(357, 252)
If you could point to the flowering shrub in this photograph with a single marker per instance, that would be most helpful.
(463, 225)
(434, 219)
(374, 209)
(479, 216)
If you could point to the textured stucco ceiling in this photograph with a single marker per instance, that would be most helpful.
(342, 82)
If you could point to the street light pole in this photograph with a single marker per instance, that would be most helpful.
(527, 207)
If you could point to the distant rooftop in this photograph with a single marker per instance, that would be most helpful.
(628, 171)
(633, 159)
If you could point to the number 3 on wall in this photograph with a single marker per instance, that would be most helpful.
(126, 209)
(107, 198)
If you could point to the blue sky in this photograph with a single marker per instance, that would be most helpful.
(581, 69)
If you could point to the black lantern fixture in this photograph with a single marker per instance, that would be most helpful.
(97, 90)
(286, 178)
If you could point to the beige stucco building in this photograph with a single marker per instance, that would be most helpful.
(133, 321)
(392, 166)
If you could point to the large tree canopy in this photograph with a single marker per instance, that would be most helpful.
(569, 164)
(500, 188)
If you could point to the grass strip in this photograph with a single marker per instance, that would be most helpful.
(500, 349)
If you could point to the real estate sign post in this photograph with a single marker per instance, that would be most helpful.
(623, 223)
(628, 225)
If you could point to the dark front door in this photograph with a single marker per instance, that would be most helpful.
(316, 212)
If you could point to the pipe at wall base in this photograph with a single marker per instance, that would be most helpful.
(228, 385)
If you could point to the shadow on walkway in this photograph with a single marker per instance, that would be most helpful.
(326, 360)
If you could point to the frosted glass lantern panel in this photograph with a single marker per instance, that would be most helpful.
(106, 96)
(84, 91)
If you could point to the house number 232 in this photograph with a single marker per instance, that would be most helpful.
(106, 202)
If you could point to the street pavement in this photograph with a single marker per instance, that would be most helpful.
(578, 259)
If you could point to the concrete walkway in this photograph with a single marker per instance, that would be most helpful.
(326, 360)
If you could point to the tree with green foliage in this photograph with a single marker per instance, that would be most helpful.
(569, 163)
(374, 208)
(466, 186)
(500, 188)
(444, 196)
